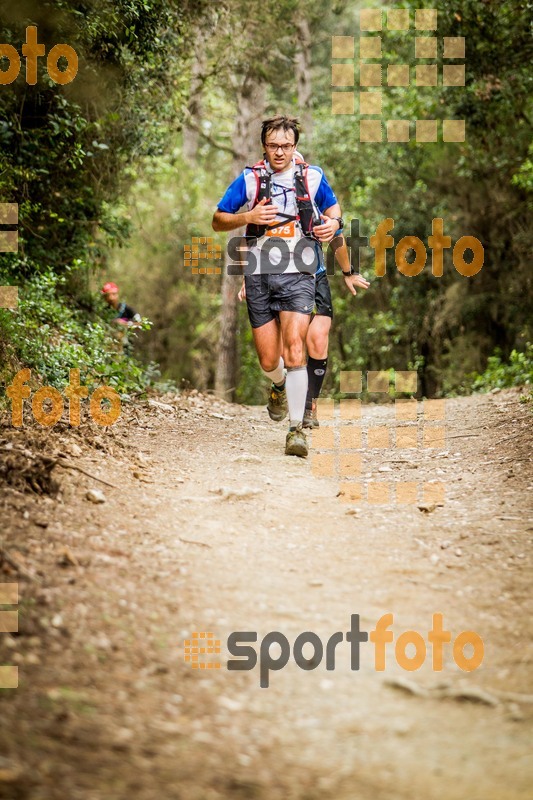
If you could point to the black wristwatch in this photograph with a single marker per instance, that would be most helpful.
(341, 223)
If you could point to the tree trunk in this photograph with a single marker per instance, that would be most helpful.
(191, 128)
(250, 104)
(302, 63)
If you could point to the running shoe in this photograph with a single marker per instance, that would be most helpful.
(296, 443)
(310, 418)
(277, 404)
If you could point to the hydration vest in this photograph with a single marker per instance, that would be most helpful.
(308, 214)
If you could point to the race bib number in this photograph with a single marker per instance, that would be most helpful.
(285, 231)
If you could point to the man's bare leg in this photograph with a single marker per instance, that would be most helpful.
(318, 336)
(267, 339)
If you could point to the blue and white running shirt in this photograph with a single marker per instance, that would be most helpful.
(243, 191)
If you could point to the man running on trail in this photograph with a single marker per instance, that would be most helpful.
(280, 305)
(317, 340)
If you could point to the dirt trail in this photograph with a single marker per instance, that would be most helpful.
(214, 529)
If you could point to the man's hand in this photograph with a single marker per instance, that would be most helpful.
(262, 214)
(242, 292)
(352, 281)
(328, 229)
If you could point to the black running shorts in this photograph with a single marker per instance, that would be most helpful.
(267, 295)
(323, 304)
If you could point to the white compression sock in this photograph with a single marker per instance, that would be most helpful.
(277, 375)
(296, 393)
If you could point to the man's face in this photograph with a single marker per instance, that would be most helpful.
(111, 299)
(278, 158)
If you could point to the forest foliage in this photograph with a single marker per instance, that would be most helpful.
(117, 171)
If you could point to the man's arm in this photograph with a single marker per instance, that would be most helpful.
(333, 211)
(329, 207)
(224, 221)
(227, 216)
(341, 251)
(262, 214)
(343, 259)
(330, 226)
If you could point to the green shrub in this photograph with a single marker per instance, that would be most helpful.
(517, 372)
(51, 335)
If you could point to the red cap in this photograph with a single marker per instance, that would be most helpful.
(109, 287)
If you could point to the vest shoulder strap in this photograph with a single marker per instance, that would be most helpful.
(262, 182)
(262, 191)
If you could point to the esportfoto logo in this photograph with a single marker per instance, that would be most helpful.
(239, 644)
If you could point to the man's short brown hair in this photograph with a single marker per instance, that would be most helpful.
(275, 123)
